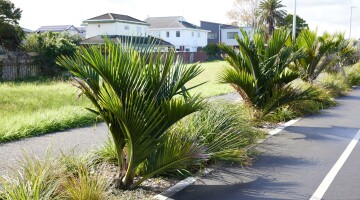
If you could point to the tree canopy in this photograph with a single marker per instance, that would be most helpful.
(288, 23)
(11, 33)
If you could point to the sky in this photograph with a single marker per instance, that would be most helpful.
(323, 15)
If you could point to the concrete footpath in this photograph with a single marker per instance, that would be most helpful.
(78, 140)
(318, 157)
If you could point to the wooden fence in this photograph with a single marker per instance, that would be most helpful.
(17, 66)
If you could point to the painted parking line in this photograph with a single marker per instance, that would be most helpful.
(320, 191)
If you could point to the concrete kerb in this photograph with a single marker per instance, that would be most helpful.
(190, 180)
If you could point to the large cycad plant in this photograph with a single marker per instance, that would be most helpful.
(139, 94)
(260, 71)
(319, 53)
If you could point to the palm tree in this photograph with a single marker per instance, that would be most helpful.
(139, 94)
(270, 13)
(260, 71)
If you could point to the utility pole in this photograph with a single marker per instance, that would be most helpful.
(351, 8)
(294, 22)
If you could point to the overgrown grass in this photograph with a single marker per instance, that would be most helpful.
(35, 108)
(353, 74)
(210, 75)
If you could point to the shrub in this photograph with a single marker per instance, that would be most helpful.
(213, 51)
(48, 46)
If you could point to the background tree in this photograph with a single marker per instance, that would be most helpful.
(48, 46)
(269, 13)
(243, 12)
(11, 34)
(287, 22)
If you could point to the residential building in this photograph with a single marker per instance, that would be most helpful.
(82, 31)
(160, 44)
(115, 24)
(59, 29)
(223, 33)
(177, 31)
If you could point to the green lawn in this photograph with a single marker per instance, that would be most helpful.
(28, 109)
(34, 108)
(212, 87)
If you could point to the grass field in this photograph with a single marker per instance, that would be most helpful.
(34, 108)
(212, 87)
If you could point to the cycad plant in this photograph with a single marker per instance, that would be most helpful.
(320, 52)
(260, 71)
(139, 94)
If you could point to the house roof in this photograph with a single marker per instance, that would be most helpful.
(56, 28)
(122, 38)
(224, 26)
(27, 30)
(169, 22)
(81, 28)
(115, 17)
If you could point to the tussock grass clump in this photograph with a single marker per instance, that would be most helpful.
(335, 84)
(65, 177)
(353, 75)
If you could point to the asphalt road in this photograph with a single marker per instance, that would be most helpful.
(307, 160)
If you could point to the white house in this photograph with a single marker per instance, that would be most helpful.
(223, 33)
(59, 28)
(228, 33)
(177, 31)
(115, 24)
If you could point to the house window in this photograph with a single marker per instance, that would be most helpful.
(138, 29)
(126, 27)
(192, 34)
(177, 33)
(167, 34)
(212, 36)
(231, 35)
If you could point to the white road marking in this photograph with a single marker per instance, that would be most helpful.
(320, 191)
(280, 128)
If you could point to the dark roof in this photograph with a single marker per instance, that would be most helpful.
(169, 22)
(56, 28)
(119, 38)
(223, 26)
(115, 17)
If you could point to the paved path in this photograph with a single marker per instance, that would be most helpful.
(307, 160)
(77, 140)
